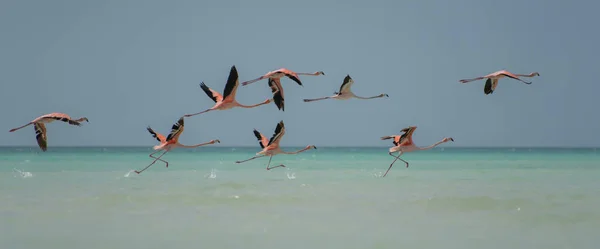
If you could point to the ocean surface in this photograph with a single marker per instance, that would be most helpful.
(326, 198)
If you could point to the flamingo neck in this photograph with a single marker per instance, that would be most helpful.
(296, 152)
(192, 146)
(252, 106)
(314, 74)
(358, 97)
(430, 146)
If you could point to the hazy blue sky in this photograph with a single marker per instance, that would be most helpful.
(129, 64)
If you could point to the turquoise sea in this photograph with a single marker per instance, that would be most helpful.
(87, 197)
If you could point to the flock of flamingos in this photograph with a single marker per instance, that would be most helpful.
(402, 143)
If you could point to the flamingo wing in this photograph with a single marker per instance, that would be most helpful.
(40, 135)
(176, 130)
(279, 131)
(294, 78)
(232, 83)
(508, 74)
(262, 140)
(214, 95)
(277, 90)
(406, 138)
(60, 117)
(156, 135)
(347, 84)
(396, 139)
(290, 74)
(490, 86)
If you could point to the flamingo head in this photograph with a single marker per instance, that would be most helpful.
(320, 73)
(446, 139)
(311, 147)
(384, 95)
(535, 74)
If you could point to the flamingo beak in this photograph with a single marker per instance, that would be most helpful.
(452, 139)
(315, 147)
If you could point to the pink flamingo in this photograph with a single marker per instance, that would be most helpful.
(277, 74)
(346, 92)
(492, 79)
(40, 127)
(271, 147)
(227, 100)
(404, 143)
(170, 142)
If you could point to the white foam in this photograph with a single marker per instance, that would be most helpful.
(22, 174)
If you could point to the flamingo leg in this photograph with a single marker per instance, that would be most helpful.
(138, 172)
(21, 127)
(252, 158)
(189, 115)
(268, 164)
(158, 158)
(397, 157)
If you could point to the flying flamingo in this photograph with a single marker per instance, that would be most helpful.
(277, 74)
(227, 100)
(492, 79)
(271, 147)
(277, 91)
(170, 142)
(404, 143)
(40, 127)
(346, 92)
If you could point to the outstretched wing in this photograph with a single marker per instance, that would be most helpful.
(290, 74)
(158, 136)
(232, 83)
(347, 84)
(277, 90)
(279, 131)
(40, 135)
(262, 140)
(176, 130)
(214, 95)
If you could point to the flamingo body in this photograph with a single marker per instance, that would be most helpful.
(345, 92)
(40, 122)
(227, 100)
(282, 72)
(170, 142)
(404, 143)
(493, 78)
(270, 147)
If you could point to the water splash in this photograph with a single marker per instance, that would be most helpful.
(129, 173)
(291, 176)
(378, 174)
(212, 175)
(22, 174)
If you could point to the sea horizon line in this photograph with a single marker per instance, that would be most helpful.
(324, 146)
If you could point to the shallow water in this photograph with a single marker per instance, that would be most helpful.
(325, 198)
